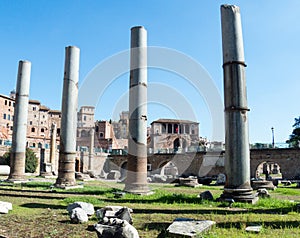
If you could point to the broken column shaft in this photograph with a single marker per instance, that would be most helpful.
(136, 181)
(91, 149)
(237, 153)
(53, 147)
(67, 152)
(18, 150)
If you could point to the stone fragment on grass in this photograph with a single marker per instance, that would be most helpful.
(115, 227)
(254, 229)
(78, 215)
(206, 196)
(262, 192)
(185, 227)
(120, 212)
(87, 207)
(5, 207)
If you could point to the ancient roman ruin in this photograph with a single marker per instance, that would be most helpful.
(17, 160)
(237, 153)
(67, 153)
(136, 181)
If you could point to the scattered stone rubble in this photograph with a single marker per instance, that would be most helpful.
(185, 227)
(79, 211)
(189, 182)
(114, 221)
(207, 195)
(5, 207)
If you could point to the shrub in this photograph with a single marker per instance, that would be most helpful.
(31, 161)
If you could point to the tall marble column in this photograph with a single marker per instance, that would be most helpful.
(91, 149)
(237, 153)
(136, 181)
(67, 152)
(53, 146)
(18, 150)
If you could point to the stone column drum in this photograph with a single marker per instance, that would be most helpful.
(67, 152)
(53, 147)
(18, 150)
(91, 149)
(237, 153)
(136, 181)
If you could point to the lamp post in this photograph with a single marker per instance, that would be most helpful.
(273, 143)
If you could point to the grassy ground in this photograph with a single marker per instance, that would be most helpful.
(40, 211)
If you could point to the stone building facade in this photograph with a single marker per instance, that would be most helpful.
(40, 119)
(169, 136)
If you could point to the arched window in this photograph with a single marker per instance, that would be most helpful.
(32, 129)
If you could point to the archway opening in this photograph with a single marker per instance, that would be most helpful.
(123, 171)
(268, 170)
(176, 144)
(169, 169)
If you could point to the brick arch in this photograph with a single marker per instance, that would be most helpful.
(287, 159)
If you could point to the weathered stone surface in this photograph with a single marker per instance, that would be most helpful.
(4, 170)
(206, 196)
(184, 227)
(87, 207)
(221, 179)
(82, 176)
(5, 207)
(255, 229)
(189, 182)
(114, 212)
(257, 184)
(114, 174)
(114, 227)
(78, 215)
(262, 192)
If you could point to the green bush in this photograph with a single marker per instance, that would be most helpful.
(31, 161)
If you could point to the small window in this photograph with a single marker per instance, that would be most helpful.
(42, 130)
(33, 145)
(34, 109)
(84, 118)
(101, 135)
(58, 131)
(169, 128)
(5, 102)
(8, 117)
(11, 128)
(4, 116)
(32, 129)
(30, 123)
(163, 128)
(9, 103)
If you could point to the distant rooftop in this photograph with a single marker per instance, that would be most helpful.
(174, 121)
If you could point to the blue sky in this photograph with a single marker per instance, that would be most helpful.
(39, 31)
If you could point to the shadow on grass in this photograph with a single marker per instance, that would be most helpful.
(42, 205)
(158, 226)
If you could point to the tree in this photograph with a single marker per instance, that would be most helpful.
(295, 136)
(31, 161)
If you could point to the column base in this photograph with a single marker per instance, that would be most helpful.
(63, 183)
(17, 179)
(238, 195)
(139, 189)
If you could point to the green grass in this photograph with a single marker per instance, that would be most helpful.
(40, 211)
